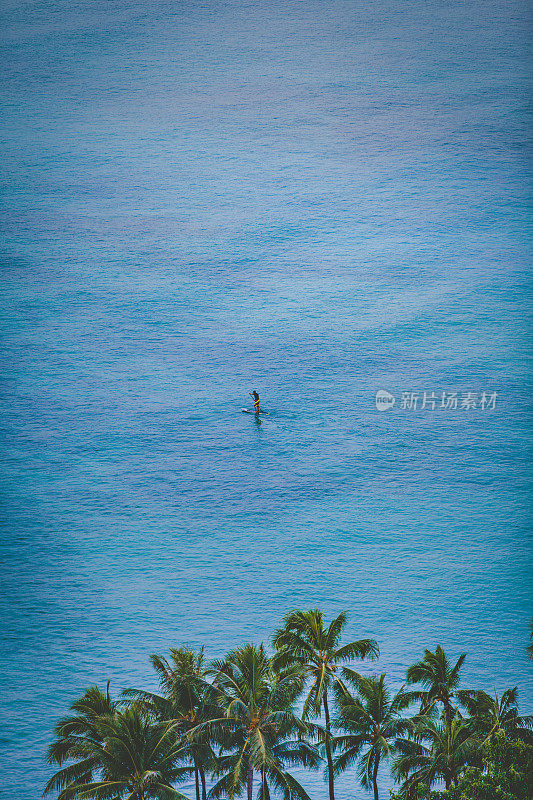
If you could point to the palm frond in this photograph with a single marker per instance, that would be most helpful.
(287, 786)
(364, 648)
(80, 772)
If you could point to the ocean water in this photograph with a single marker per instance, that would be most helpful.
(315, 199)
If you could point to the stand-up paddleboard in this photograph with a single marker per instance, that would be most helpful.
(249, 411)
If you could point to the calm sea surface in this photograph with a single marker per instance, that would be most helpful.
(314, 199)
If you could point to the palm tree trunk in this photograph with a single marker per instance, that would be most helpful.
(375, 779)
(448, 712)
(197, 781)
(266, 793)
(250, 782)
(328, 747)
(448, 777)
(201, 770)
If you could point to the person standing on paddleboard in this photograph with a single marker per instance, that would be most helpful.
(256, 400)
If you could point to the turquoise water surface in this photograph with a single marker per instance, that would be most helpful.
(315, 199)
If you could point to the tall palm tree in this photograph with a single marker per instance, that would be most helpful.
(304, 640)
(492, 714)
(436, 751)
(136, 760)
(440, 680)
(187, 700)
(371, 723)
(76, 737)
(255, 732)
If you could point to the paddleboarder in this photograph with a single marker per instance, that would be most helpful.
(256, 400)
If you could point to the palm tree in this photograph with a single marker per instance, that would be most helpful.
(529, 648)
(437, 751)
(187, 700)
(76, 738)
(136, 760)
(440, 679)
(371, 723)
(304, 640)
(492, 714)
(255, 732)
